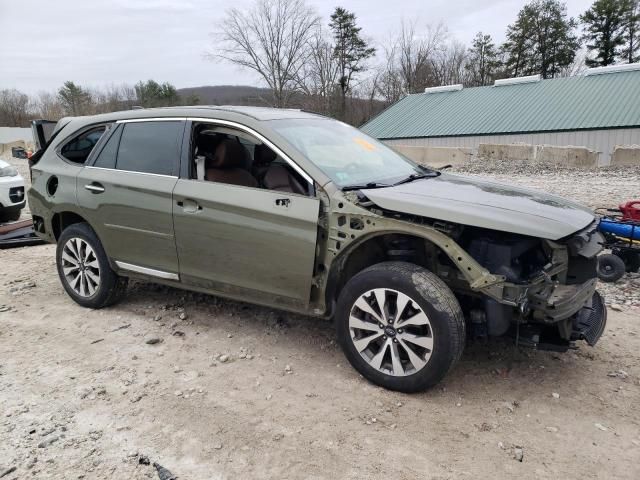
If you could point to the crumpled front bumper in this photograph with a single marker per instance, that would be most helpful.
(561, 301)
(590, 322)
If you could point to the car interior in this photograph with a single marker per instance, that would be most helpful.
(226, 155)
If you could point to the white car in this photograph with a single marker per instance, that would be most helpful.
(12, 198)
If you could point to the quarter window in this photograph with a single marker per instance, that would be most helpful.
(150, 147)
(78, 149)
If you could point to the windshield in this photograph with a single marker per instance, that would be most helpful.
(345, 154)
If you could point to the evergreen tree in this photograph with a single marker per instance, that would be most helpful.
(350, 50)
(631, 31)
(542, 40)
(75, 100)
(482, 61)
(153, 94)
(604, 23)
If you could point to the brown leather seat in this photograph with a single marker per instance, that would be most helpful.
(278, 178)
(227, 164)
(262, 158)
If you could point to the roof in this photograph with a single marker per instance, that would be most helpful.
(603, 101)
(257, 113)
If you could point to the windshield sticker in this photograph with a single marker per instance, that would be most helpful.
(364, 144)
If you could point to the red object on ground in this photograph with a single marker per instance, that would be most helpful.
(630, 210)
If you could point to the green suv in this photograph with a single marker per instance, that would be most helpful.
(304, 213)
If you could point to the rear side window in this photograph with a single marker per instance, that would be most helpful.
(78, 149)
(107, 156)
(150, 147)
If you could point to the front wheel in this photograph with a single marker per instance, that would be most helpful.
(400, 326)
(84, 270)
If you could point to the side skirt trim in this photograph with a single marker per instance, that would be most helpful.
(147, 271)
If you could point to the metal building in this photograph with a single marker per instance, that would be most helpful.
(599, 109)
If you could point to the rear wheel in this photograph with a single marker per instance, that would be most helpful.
(611, 268)
(400, 326)
(84, 270)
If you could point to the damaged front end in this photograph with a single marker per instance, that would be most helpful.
(541, 291)
(548, 298)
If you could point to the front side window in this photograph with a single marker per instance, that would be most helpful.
(226, 155)
(345, 154)
(78, 149)
(150, 147)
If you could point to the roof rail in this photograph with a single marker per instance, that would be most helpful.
(516, 80)
(444, 88)
(628, 67)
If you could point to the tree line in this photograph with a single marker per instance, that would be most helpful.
(71, 99)
(287, 44)
(333, 68)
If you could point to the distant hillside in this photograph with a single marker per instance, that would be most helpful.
(358, 110)
(228, 95)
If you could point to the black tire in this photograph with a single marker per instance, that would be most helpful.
(434, 298)
(9, 215)
(110, 288)
(611, 268)
(630, 258)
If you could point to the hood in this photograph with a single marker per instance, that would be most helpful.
(486, 204)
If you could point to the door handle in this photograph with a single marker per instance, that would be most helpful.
(189, 206)
(283, 202)
(94, 187)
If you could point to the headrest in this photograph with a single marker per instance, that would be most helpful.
(207, 143)
(230, 154)
(263, 155)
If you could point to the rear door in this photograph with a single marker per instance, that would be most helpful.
(126, 195)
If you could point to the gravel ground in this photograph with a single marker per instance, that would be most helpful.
(215, 389)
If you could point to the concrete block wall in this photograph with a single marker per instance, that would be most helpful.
(435, 156)
(626, 156)
(567, 155)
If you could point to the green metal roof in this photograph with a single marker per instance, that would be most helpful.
(610, 100)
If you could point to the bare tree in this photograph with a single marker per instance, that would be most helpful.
(14, 108)
(47, 105)
(319, 75)
(390, 83)
(416, 52)
(270, 39)
(448, 65)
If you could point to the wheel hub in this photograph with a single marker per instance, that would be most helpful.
(391, 332)
(80, 267)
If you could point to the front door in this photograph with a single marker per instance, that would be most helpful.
(245, 242)
(126, 194)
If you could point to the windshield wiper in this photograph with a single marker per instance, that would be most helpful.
(416, 176)
(349, 188)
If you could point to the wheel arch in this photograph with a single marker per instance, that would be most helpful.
(375, 248)
(64, 219)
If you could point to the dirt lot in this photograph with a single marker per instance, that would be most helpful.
(83, 394)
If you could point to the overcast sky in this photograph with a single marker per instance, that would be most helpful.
(96, 43)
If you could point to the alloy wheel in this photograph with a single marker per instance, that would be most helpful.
(80, 266)
(391, 332)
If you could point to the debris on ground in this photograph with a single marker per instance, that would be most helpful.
(163, 473)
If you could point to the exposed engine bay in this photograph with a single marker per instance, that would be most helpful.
(540, 291)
